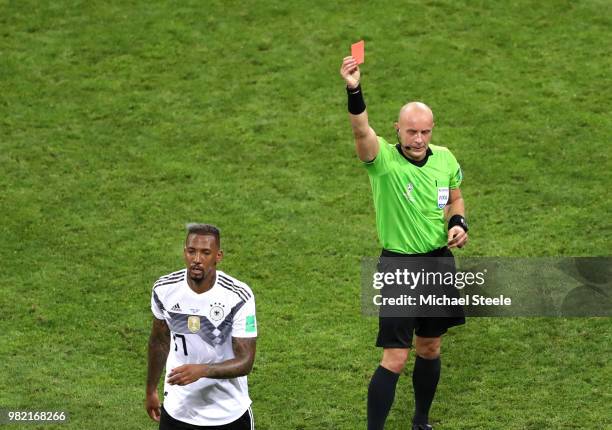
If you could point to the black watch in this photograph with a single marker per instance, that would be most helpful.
(458, 220)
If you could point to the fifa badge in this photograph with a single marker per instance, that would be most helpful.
(443, 194)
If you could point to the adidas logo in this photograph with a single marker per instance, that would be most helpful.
(175, 308)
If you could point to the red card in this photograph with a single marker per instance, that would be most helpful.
(358, 51)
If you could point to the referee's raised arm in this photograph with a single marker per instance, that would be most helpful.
(366, 142)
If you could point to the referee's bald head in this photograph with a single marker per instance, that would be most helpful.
(203, 230)
(415, 108)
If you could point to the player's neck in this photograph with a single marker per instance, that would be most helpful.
(203, 285)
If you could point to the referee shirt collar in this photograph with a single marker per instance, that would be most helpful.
(419, 163)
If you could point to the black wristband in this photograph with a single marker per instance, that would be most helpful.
(458, 220)
(356, 104)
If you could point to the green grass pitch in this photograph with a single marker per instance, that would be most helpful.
(122, 121)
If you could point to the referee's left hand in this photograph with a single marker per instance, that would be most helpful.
(186, 374)
(457, 237)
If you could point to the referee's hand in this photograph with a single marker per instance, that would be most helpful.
(457, 237)
(350, 72)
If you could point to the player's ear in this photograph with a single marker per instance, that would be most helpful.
(396, 125)
(219, 256)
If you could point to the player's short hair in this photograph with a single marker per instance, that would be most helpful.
(204, 230)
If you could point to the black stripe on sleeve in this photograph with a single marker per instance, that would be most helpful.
(239, 292)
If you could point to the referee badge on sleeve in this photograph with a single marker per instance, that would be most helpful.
(443, 195)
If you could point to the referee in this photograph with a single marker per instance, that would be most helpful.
(419, 213)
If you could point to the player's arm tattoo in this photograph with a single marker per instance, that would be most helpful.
(159, 346)
(240, 365)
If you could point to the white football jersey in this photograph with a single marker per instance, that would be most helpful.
(201, 330)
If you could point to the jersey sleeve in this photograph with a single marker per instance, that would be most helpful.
(156, 306)
(245, 323)
(456, 174)
(381, 163)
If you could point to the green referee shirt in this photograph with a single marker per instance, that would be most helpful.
(409, 200)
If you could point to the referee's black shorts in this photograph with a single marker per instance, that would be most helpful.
(245, 422)
(397, 331)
